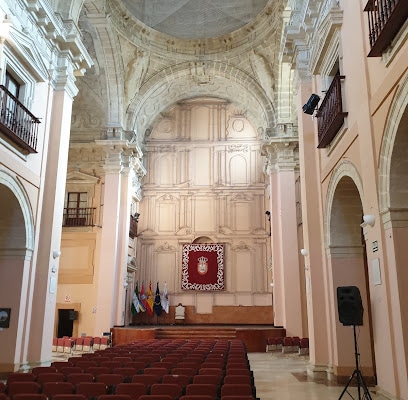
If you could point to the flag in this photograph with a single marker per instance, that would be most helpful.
(149, 300)
(137, 303)
(143, 301)
(157, 307)
(135, 307)
(165, 299)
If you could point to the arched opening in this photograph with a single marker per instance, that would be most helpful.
(349, 268)
(398, 214)
(13, 257)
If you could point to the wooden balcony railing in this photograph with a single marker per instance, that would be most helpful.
(17, 123)
(385, 19)
(79, 216)
(133, 227)
(330, 116)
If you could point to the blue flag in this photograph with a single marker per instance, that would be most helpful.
(157, 307)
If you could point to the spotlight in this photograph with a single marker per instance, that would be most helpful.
(311, 104)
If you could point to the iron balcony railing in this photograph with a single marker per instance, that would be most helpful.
(385, 19)
(79, 216)
(17, 123)
(133, 227)
(330, 116)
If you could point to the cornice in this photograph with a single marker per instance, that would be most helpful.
(47, 30)
(327, 32)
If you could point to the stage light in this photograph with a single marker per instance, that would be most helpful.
(310, 106)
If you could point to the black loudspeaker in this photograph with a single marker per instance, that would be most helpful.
(311, 104)
(5, 317)
(73, 315)
(349, 305)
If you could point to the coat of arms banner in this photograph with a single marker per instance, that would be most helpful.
(203, 267)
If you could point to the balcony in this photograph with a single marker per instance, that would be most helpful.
(330, 116)
(17, 123)
(385, 19)
(74, 217)
(133, 227)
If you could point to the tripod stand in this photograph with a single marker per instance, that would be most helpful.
(357, 374)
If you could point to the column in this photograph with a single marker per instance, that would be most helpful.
(316, 276)
(106, 276)
(123, 243)
(48, 233)
(283, 169)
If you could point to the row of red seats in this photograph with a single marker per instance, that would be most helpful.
(134, 390)
(32, 396)
(288, 344)
(81, 344)
(159, 376)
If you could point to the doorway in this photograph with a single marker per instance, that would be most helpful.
(70, 307)
(65, 323)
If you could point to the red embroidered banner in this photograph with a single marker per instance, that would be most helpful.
(203, 267)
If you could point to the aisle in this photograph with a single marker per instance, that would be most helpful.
(283, 377)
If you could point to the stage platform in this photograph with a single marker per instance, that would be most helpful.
(254, 336)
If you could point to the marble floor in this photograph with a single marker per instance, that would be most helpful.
(283, 377)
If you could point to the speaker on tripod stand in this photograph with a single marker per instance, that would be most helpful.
(350, 308)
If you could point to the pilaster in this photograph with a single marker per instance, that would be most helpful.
(121, 170)
(282, 164)
(52, 194)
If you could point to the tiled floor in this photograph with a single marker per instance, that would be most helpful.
(283, 377)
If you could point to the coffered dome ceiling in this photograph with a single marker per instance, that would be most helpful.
(195, 19)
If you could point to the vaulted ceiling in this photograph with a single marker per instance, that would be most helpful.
(149, 54)
(195, 19)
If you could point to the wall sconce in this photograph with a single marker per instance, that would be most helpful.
(56, 254)
(368, 219)
(304, 252)
(310, 106)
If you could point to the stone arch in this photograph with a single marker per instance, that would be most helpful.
(347, 262)
(393, 125)
(177, 83)
(344, 169)
(69, 9)
(21, 197)
(393, 206)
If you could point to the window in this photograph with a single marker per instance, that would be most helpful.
(79, 198)
(12, 85)
(331, 115)
(77, 212)
(17, 123)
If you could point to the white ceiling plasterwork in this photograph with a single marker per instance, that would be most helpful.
(195, 19)
(150, 71)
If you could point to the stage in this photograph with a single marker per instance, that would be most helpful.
(254, 336)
